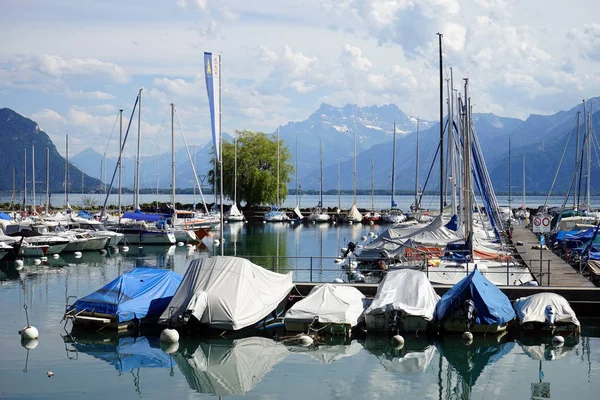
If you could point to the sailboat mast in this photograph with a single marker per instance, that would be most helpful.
(221, 216)
(417, 171)
(509, 183)
(25, 182)
(12, 197)
(235, 171)
(394, 166)
(339, 189)
(67, 173)
(467, 168)
(524, 200)
(278, 166)
(576, 191)
(47, 179)
(120, 162)
(589, 160)
(451, 142)
(173, 156)
(354, 166)
(297, 188)
(33, 173)
(373, 182)
(321, 174)
(441, 127)
(136, 194)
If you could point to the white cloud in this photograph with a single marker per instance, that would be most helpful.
(302, 86)
(352, 56)
(48, 118)
(93, 95)
(180, 87)
(199, 4)
(588, 38)
(59, 67)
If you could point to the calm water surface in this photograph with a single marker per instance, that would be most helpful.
(104, 366)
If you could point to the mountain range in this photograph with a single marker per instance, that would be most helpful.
(541, 138)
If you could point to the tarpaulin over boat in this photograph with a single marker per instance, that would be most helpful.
(228, 368)
(143, 292)
(406, 290)
(5, 216)
(140, 216)
(413, 358)
(228, 292)
(433, 234)
(493, 307)
(234, 211)
(127, 353)
(337, 304)
(533, 308)
(354, 214)
(390, 241)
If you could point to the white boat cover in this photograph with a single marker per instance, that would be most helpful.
(336, 304)
(297, 213)
(390, 240)
(226, 368)
(327, 354)
(533, 308)
(544, 352)
(354, 214)
(234, 211)
(435, 234)
(414, 362)
(228, 293)
(407, 290)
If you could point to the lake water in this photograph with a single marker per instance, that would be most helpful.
(105, 366)
(380, 202)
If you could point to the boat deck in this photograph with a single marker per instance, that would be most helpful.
(552, 270)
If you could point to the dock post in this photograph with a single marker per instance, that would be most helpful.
(541, 272)
(311, 268)
(541, 258)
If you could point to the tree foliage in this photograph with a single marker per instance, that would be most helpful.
(256, 168)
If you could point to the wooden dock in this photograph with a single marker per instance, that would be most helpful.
(547, 268)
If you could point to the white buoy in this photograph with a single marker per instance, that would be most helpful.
(125, 249)
(115, 250)
(264, 222)
(189, 246)
(50, 374)
(77, 254)
(467, 336)
(305, 340)
(344, 249)
(334, 222)
(359, 246)
(371, 234)
(55, 256)
(30, 344)
(313, 222)
(29, 333)
(375, 236)
(338, 260)
(179, 244)
(350, 222)
(169, 336)
(338, 280)
(398, 340)
(18, 265)
(44, 259)
(558, 339)
(216, 242)
(363, 238)
(37, 261)
(371, 223)
(103, 251)
(169, 348)
(140, 247)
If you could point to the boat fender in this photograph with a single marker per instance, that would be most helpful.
(558, 339)
(77, 254)
(18, 265)
(179, 244)
(216, 242)
(50, 374)
(338, 280)
(169, 336)
(44, 259)
(467, 336)
(125, 249)
(398, 340)
(29, 344)
(37, 261)
(169, 348)
(338, 260)
(103, 251)
(305, 340)
(363, 238)
(29, 333)
(55, 256)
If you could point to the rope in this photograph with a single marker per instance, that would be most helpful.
(559, 165)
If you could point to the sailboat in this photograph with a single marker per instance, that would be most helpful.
(372, 216)
(297, 214)
(522, 212)
(275, 214)
(318, 215)
(394, 215)
(416, 212)
(234, 215)
(353, 214)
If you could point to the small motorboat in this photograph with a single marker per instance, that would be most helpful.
(405, 301)
(132, 299)
(333, 309)
(546, 312)
(474, 305)
(226, 294)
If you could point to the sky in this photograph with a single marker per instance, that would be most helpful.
(71, 65)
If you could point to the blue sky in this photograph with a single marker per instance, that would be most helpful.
(70, 65)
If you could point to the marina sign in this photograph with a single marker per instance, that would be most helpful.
(541, 223)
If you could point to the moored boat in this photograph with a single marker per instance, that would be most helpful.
(405, 301)
(546, 312)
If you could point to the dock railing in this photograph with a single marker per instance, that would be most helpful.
(316, 269)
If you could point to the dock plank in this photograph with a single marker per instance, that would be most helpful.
(561, 273)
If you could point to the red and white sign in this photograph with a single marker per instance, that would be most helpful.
(541, 223)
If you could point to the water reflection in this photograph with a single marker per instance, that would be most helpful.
(469, 360)
(328, 353)
(412, 358)
(225, 367)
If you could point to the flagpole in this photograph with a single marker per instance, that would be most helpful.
(221, 158)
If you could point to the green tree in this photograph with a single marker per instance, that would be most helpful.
(256, 168)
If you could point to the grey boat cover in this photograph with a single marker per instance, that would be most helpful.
(228, 293)
(413, 362)
(327, 354)
(533, 308)
(229, 368)
(336, 304)
(407, 290)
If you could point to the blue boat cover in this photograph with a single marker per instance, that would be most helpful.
(84, 214)
(493, 307)
(143, 292)
(128, 353)
(453, 223)
(140, 216)
(5, 216)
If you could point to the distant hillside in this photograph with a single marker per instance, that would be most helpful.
(18, 136)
